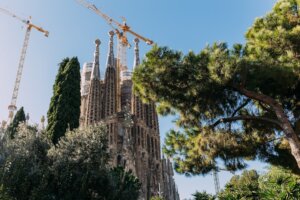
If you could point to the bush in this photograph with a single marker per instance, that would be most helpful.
(76, 168)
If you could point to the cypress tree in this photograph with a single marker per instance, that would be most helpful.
(19, 117)
(64, 110)
(58, 80)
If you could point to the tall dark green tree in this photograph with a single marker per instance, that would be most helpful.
(234, 104)
(18, 118)
(64, 110)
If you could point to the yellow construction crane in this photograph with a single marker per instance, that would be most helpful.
(120, 30)
(124, 27)
(12, 107)
(122, 38)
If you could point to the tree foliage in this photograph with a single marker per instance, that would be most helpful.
(242, 187)
(279, 184)
(22, 165)
(124, 184)
(18, 118)
(276, 184)
(64, 110)
(79, 164)
(233, 104)
(32, 167)
(203, 196)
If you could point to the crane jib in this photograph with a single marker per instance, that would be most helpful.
(124, 27)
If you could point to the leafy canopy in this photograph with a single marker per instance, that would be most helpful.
(32, 167)
(276, 184)
(203, 196)
(242, 187)
(279, 184)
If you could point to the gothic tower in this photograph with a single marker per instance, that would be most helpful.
(147, 143)
(110, 82)
(93, 112)
(136, 104)
(132, 126)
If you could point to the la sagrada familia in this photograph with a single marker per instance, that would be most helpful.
(132, 126)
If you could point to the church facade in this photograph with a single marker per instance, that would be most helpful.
(132, 126)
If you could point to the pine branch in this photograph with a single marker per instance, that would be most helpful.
(245, 118)
(257, 96)
(265, 107)
(240, 107)
(272, 140)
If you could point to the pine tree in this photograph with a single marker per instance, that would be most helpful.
(19, 117)
(234, 104)
(64, 110)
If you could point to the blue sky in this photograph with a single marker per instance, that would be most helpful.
(182, 25)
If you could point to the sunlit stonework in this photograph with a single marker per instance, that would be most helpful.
(132, 126)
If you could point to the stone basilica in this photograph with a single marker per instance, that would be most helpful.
(132, 126)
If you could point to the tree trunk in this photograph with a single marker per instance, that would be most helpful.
(290, 134)
(286, 126)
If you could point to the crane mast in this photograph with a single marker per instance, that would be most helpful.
(12, 107)
(13, 104)
(216, 182)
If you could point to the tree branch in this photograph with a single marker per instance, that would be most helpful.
(265, 107)
(272, 140)
(240, 107)
(257, 96)
(245, 118)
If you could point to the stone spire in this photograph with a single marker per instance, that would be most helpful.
(93, 113)
(137, 105)
(96, 71)
(111, 57)
(136, 53)
(110, 87)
